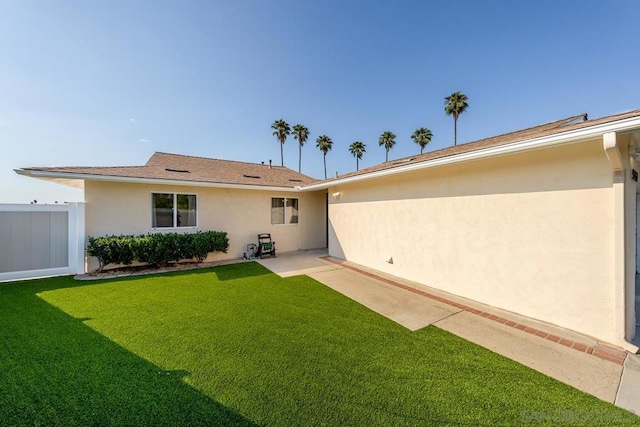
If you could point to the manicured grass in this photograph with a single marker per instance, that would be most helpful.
(238, 345)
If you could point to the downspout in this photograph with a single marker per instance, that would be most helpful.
(612, 150)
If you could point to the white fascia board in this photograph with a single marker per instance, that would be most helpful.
(501, 150)
(88, 177)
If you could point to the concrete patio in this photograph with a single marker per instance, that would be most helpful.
(575, 359)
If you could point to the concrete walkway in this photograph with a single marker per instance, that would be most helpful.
(574, 359)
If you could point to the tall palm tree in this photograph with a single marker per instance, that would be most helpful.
(388, 139)
(456, 104)
(281, 129)
(301, 133)
(422, 136)
(357, 149)
(324, 144)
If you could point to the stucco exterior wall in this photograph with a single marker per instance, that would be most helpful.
(531, 233)
(631, 189)
(123, 208)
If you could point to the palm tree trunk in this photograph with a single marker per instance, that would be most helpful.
(299, 158)
(386, 155)
(325, 165)
(455, 130)
(357, 167)
(281, 154)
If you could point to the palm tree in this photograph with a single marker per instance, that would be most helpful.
(301, 133)
(422, 136)
(357, 149)
(281, 129)
(388, 139)
(456, 104)
(324, 144)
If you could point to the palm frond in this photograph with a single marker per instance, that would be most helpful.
(324, 143)
(301, 133)
(357, 149)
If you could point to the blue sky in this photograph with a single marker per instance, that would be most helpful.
(108, 83)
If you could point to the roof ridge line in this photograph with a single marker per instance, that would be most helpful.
(221, 160)
(546, 129)
(543, 125)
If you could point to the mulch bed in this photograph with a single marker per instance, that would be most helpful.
(140, 270)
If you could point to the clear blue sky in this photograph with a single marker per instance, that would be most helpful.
(110, 82)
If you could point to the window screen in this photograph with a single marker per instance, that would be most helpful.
(292, 211)
(277, 210)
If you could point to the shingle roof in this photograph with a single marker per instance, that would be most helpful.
(547, 129)
(176, 167)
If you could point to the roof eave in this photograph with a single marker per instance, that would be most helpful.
(67, 176)
(568, 137)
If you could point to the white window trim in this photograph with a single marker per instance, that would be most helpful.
(285, 210)
(175, 211)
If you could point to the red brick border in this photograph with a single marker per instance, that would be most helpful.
(602, 351)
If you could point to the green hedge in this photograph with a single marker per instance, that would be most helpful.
(156, 249)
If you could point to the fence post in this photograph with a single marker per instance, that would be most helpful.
(76, 238)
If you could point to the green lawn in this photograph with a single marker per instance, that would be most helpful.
(237, 345)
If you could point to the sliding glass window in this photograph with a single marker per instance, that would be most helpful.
(173, 210)
(284, 210)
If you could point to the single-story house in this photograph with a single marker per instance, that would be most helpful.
(183, 193)
(541, 222)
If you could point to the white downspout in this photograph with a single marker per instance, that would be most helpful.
(612, 150)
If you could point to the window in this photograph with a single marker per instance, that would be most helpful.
(284, 211)
(292, 211)
(171, 210)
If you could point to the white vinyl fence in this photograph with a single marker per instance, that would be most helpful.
(41, 240)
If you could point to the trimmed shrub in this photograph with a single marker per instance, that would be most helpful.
(111, 250)
(203, 243)
(157, 249)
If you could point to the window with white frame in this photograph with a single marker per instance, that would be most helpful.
(173, 210)
(284, 210)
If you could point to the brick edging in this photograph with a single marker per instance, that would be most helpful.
(601, 351)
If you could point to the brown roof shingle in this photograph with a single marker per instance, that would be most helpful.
(547, 129)
(176, 167)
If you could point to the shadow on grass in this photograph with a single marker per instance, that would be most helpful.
(223, 273)
(278, 351)
(55, 370)
(241, 270)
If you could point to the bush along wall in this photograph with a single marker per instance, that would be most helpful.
(156, 249)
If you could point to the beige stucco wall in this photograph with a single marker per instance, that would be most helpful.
(631, 189)
(123, 208)
(531, 233)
